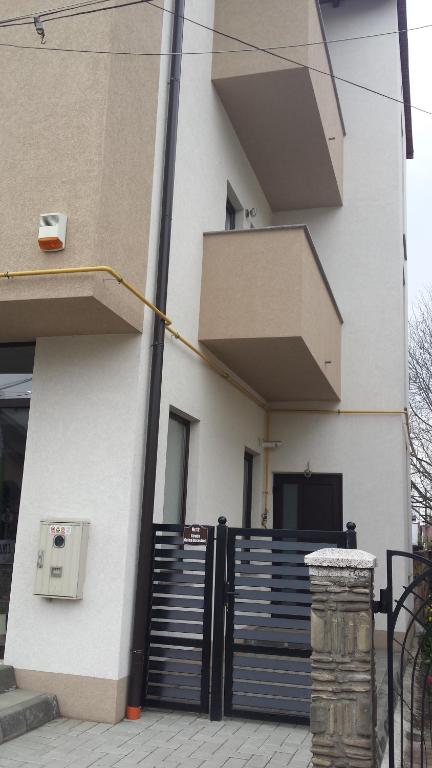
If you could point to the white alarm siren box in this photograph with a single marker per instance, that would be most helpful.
(52, 231)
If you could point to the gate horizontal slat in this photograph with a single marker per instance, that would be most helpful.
(267, 676)
(179, 590)
(251, 581)
(173, 615)
(175, 565)
(300, 638)
(174, 626)
(173, 694)
(281, 569)
(272, 608)
(264, 557)
(169, 539)
(270, 595)
(264, 621)
(280, 544)
(167, 577)
(173, 640)
(191, 654)
(271, 662)
(176, 665)
(181, 554)
(177, 602)
(269, 689)
(270, 704)
(161, 678)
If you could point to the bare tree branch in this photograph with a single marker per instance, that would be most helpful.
(420, 414)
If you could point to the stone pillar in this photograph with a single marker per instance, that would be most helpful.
(343, 707)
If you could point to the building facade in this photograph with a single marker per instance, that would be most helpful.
(287, 271)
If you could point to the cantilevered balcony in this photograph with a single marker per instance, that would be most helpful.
(268, 313)
(286, 115)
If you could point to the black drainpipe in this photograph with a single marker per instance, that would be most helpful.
(143, 582)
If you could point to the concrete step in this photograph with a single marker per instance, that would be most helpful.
(21, 711)
(7, 678)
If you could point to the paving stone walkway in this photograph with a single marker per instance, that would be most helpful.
(160, 739)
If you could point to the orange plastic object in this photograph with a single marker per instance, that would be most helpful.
(50, 243)
(133, 713)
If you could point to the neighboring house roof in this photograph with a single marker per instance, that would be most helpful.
(404, 57)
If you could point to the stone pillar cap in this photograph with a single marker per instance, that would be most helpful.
(341, 558)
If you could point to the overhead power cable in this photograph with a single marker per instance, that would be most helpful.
(63, 12)
(278, 56)
(271, 51)
(259, 49)
(30, 16)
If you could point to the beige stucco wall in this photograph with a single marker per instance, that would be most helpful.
(267, 312)
(286, 116)
(77, 132)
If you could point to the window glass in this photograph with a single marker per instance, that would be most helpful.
(16, 367)
(230, 215)
(247, 490)
(176, 470)
(290, 506)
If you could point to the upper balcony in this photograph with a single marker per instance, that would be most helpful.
(267, 311)
(62, 133)
(286, 115)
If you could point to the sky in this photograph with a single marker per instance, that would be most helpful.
(419, 170)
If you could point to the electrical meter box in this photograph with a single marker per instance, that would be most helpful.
(61, 558)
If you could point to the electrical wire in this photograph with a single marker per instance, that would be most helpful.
(278, 56)
(42, 14)
(251, 46)
(30, 16)
(212, 51)
(21, 21)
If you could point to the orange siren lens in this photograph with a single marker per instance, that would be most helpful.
(50, 243)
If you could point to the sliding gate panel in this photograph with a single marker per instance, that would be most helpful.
(180, 621)
(267, 651)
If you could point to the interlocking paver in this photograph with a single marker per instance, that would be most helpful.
(160, 739)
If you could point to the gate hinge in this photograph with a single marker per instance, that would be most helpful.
(381, 605)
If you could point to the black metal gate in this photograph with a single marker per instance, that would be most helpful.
(267, 634)
(180, 622)
(409, 662)
(258, 653)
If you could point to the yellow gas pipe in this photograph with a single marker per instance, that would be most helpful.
(214, 366)
(168, 322)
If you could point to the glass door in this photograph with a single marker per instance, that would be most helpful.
(16, 367)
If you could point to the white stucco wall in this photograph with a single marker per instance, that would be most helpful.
(360, 246)
(79, 464)
(209, 156)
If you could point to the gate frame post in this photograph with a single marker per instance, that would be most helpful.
(217, 674)
(343, 697)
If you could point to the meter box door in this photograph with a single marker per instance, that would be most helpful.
(61, 558)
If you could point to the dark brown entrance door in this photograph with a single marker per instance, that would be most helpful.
(307, 503)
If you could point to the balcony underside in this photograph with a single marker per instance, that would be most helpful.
(279, 369)
(277, 119)
(29, 319)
